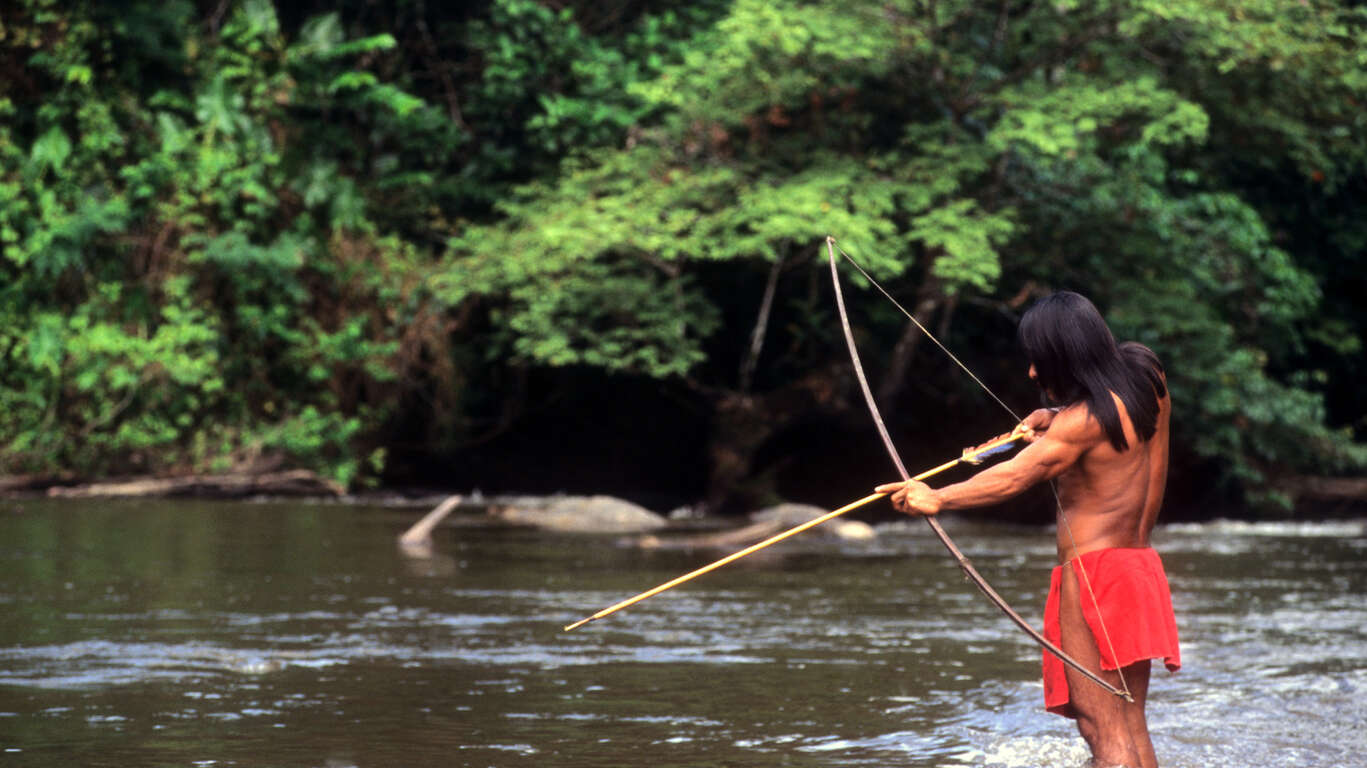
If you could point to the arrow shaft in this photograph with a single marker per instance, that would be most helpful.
(776, 538)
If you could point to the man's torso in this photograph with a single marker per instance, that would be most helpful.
(1111, 498)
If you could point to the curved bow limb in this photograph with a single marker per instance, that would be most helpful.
(935, 527)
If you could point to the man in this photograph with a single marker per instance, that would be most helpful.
(1106, 442)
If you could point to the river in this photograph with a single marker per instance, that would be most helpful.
(157, 633)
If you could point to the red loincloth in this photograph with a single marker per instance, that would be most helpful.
(1132, 592)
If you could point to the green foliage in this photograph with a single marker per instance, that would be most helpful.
(547, 89)
(189, 327)
(95, 385)
(592, 285)
(968, 238)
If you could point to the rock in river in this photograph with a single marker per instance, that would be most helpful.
(789, 515)
(582, 514)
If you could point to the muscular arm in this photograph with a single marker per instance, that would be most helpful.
(1071, 434)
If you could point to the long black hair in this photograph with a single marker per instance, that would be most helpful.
(1076, 358)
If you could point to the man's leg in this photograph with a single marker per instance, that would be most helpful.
(1137, 677)
(1105, 720)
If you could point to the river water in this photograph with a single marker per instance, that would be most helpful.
(205, 634)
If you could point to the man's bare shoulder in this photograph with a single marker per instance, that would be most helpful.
(1075, 424)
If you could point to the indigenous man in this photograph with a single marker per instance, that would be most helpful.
(1106, 442)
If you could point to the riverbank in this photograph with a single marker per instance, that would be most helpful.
(1313, 498)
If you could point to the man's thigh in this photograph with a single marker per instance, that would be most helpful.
(1105, 710)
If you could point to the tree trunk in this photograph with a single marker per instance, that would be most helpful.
(895, 379)
(744, 423)
(299, 482)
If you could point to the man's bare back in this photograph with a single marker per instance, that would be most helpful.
(1110, 498)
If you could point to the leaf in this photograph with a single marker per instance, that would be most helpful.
(51, 150)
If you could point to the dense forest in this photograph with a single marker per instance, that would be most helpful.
(571, 245)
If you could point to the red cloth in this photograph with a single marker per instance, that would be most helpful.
(1131, 590)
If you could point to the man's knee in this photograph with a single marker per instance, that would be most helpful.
(1088, 729)
(1107, 738)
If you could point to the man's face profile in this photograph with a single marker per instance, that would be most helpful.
(1047, 396)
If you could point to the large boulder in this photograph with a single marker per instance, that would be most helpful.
(582, 514)
(790, 515)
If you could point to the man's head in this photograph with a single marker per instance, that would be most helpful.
(1065, 339)
(1073, 357)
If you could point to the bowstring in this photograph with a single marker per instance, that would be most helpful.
(1058, 502)
(927, 332)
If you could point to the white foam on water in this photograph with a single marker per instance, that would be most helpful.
(1029, 752)
(1281, 528)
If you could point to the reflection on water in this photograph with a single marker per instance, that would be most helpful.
(158, 633)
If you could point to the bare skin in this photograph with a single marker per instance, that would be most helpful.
(1109, 499)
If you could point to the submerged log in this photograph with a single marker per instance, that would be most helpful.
(417, 541)
(1317, 495)
(298, 482)
(1328, 488)
(32, 483)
